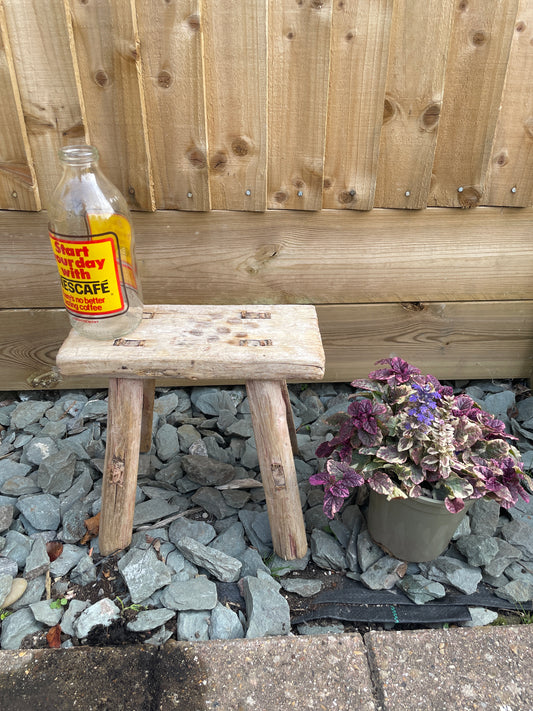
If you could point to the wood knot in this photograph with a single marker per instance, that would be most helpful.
(502, 158)
(528, 126)
(349, 36)
(469, 197)
(327, 183)
(280, 196)
(76, 131)
(317, 4)
(164, 79)
(346, 197)
(196, 158)
(430, 117)
(520, 27)
(219, 161)
(463, 6)
(389, 110)
(194, 22)
(240, 147)
(290, 35)
(101, 78)
(479, 38)
(413, 306)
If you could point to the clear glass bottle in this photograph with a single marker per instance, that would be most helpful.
(93, 242)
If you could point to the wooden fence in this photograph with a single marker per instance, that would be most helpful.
(265, 148)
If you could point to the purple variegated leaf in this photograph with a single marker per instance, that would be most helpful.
(324, 450)
(454, 505)
(390, 454)
(345, 474)
(496, 487)
(320, 479)
(381, 483)
(332, 504)
(415, 454)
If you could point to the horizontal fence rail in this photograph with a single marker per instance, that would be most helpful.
(255, 106)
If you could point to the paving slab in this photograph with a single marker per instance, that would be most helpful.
(271, 674)
(445, 670)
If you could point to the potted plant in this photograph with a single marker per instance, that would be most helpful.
(425, 456)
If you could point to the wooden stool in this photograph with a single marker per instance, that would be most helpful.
(262, 346)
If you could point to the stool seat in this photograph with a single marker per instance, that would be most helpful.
(206, 343)
(261, 346)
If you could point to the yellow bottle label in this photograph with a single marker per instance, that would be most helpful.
(90, 273)
(119, 226)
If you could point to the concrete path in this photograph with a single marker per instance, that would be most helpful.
(462, 669)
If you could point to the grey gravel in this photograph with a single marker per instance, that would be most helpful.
(221, 566)
(102, 612)
(51, 458)
(267, 610)
(196, 594)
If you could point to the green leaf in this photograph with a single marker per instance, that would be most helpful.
(390, 454)
(459, 488)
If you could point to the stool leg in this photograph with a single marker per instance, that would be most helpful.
(269, 419)
(290, 418)
(148, 413)
(121, 463)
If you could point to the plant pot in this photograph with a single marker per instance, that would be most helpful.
(414, 530)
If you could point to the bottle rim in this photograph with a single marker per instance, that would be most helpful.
(80, 154)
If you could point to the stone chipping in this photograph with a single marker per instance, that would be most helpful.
(201, 530)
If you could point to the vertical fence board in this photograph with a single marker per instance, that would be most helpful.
(171, 52)
(477, 58)
(104, 34)
(18, 190)
(417, 62)
(359, 50)
(235, 52)
(299, 49)
(511, 163)
(43, 63)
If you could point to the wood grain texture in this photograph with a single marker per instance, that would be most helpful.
(510, 179)
(172, 66)
(106, 45)
(270, 342)
(297, 257)
(359, 52)
(477, 58)
(278, 473)
(450, 340)
(119, 483)
(235, 59)
(490, 339)
(18, 187)
(415, 87)
(299, 53)
(39, 41)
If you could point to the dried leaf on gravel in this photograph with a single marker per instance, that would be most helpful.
(93, 526)
(53, 637)
(54, 550)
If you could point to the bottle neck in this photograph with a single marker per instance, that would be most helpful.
(79, 157)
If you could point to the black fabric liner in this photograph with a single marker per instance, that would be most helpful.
(350, 601)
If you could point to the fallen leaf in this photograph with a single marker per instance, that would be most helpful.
(93, 526)
(53, 637)
(54, 550)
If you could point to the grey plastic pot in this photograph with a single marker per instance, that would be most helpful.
(414, 530)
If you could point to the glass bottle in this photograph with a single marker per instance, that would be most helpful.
(93, 242)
